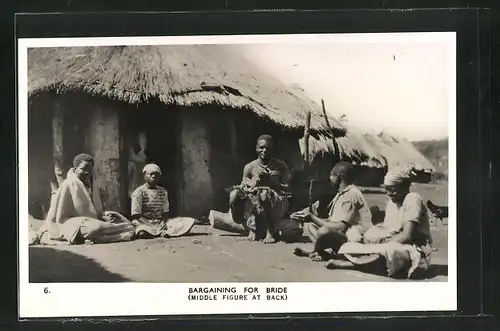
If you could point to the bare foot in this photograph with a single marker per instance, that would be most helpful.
(339, 264)
(315, 257)
(331, 264)
(269, 239)
(251, 236)
(301, 252)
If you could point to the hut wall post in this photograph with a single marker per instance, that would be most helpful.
(124, 143)
(233, 140)
(196, 190)
(307, 128)
(57, 143)
(104, 136)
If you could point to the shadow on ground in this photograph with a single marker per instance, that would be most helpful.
(438, 270)
(194, 234)
(52, 265)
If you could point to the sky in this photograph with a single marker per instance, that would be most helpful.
(398, 87)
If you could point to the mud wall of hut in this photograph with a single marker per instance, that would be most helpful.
(40, 160)
(197, 187)
(249, 127)
(192, 146)
(201, 150)
(62, 126)
(104, 145)
(216, 144)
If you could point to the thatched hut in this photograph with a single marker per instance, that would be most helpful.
(400, 152)
(372, 155)
(195, 110)
(353, 147)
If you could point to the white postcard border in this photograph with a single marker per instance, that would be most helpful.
(138, 299)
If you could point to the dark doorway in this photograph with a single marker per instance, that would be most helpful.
(161, 126)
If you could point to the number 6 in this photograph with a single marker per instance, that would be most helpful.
(46, 290)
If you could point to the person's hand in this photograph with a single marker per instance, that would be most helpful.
(302, 216)
(300, 211)
(259, 179)
(252, 183)
(110, 216)
(274, 173)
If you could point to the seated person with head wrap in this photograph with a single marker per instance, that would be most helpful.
(264, 192)
(150, 208)
(349, 216)
(404, 237)
(75, 214)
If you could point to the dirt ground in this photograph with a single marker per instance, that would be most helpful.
(209, 255)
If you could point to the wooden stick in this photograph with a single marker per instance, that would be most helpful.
(307, 134)
(311, 181)
(57, 145)
(326, 116)
(337, 154)
(307, 167)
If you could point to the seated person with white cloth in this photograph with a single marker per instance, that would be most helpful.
(403, 239)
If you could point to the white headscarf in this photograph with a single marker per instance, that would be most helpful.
(151, 168)
(398, 176)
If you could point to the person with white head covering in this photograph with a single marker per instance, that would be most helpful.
(404, 237)
(150, 208)
(406, 216)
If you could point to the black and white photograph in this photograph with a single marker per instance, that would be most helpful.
(237, 174)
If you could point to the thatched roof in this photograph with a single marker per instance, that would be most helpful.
(352, 147)
(180, 75)
(401, 151)
(376, 151)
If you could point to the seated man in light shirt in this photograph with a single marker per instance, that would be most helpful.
(348, 219)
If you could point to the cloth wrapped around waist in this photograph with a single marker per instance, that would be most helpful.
(173, 227)
(260, 195)
(378, 234)
(260, 200)
(84, 228)
(399, 257)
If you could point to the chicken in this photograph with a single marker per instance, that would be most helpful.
(439, 212)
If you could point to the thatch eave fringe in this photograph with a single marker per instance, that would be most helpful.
(377, 151)
(192, 98)
(350, 149)
(405, 153)
(175, 74)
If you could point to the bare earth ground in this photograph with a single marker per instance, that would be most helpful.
(209, 255)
